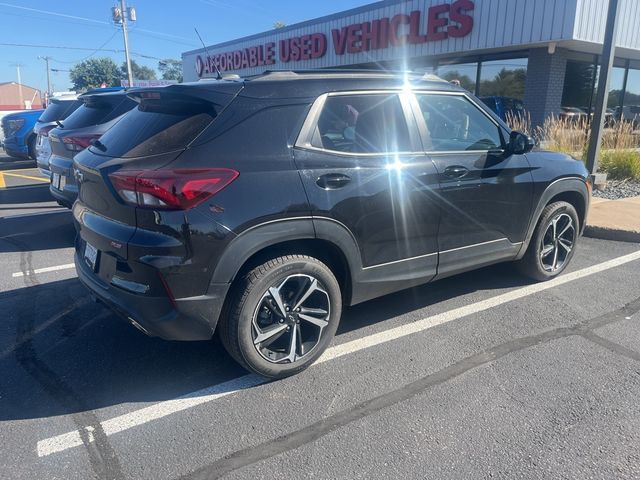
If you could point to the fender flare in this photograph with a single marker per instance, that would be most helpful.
(273, 232)
(561, 185)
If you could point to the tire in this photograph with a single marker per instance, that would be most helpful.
(31, 146)
(545, 265)
(254, 312)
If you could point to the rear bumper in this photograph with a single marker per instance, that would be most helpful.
(183, 319)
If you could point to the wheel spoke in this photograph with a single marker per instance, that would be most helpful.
(275, 294)
(293, 344)
(567, 227)
(546, 250)
(566, 244)
(554, 224)
(319, 312)
(313, 286)
(316, 321)
(554, 265)
(269, 336)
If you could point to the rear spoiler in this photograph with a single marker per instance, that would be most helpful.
(218, 93)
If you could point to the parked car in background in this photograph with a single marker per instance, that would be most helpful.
(19, 138)
(59, 108)
(572, 114)
(258, 208)
(99, 112)
(505, 107)
(628, 113)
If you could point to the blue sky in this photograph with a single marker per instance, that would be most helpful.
(164, 29)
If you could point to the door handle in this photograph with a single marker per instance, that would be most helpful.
(456, 171)
(333, 181)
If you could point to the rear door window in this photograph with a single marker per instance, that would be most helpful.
(150, 129)
(363, 123)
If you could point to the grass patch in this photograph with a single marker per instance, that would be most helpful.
(620, 164)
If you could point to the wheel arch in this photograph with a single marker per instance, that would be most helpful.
(253, 247)
(572, 190)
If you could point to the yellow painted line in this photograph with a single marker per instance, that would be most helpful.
(2, 184)
(28, 177)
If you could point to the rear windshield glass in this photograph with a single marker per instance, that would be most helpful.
(151, 129)
(59, 110)
(95, 112)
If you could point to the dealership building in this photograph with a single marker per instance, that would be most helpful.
(543, 52)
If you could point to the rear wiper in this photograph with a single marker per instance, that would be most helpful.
(59, 123)
(99, 145)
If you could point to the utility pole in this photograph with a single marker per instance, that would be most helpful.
(608, 54)
(46, 59)
(121, 15)
(20, 94)
(126, 42)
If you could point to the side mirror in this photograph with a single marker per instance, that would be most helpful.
(520, 143)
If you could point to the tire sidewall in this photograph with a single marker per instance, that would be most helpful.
(561, 207)
(245, 341)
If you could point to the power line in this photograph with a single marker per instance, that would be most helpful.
(61, 47)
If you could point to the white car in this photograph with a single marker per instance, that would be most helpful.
(61, 105)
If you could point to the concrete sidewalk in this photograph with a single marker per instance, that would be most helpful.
(614, 219)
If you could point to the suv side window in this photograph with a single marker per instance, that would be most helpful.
(366, 123)
(455, 124)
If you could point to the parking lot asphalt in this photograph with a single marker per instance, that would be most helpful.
(483, 375)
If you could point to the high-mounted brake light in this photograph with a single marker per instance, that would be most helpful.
(79, 142)
(175, 189)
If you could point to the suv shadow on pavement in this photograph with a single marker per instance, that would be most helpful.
(61, 353)
(41, 231)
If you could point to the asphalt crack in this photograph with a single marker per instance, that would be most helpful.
(291, 441)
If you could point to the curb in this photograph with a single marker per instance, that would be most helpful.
(617, 235)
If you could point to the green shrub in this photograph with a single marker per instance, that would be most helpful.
(620, 164)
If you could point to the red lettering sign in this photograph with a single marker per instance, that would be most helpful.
(440, 22)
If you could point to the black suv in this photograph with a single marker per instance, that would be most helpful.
(259, 207)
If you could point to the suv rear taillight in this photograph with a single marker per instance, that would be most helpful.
(79, 142)
(44, 131)
(177, 189)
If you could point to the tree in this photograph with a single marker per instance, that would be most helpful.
(279, 24)
(170, 69)
(94, 72)
(507, 83)
(139, 72)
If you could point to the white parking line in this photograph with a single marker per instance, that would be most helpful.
(66, 266)
(139, 417)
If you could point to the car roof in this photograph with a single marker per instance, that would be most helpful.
(311, 83)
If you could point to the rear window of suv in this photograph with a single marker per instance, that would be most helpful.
(154, 128)
(59, 110)
(97, 110)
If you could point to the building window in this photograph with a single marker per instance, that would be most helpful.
(465, 73)
(503, 78)
(579, 82)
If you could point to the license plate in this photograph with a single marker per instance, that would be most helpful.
(58, 181)
(90, 255)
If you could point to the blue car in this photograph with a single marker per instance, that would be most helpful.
(19, 138)
(505, 107)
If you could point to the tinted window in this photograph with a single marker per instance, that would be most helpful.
(97, 111)
(455, 124)
(362, 124)
(59, 110)
(151, 129)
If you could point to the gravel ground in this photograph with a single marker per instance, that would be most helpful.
(617, 189)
